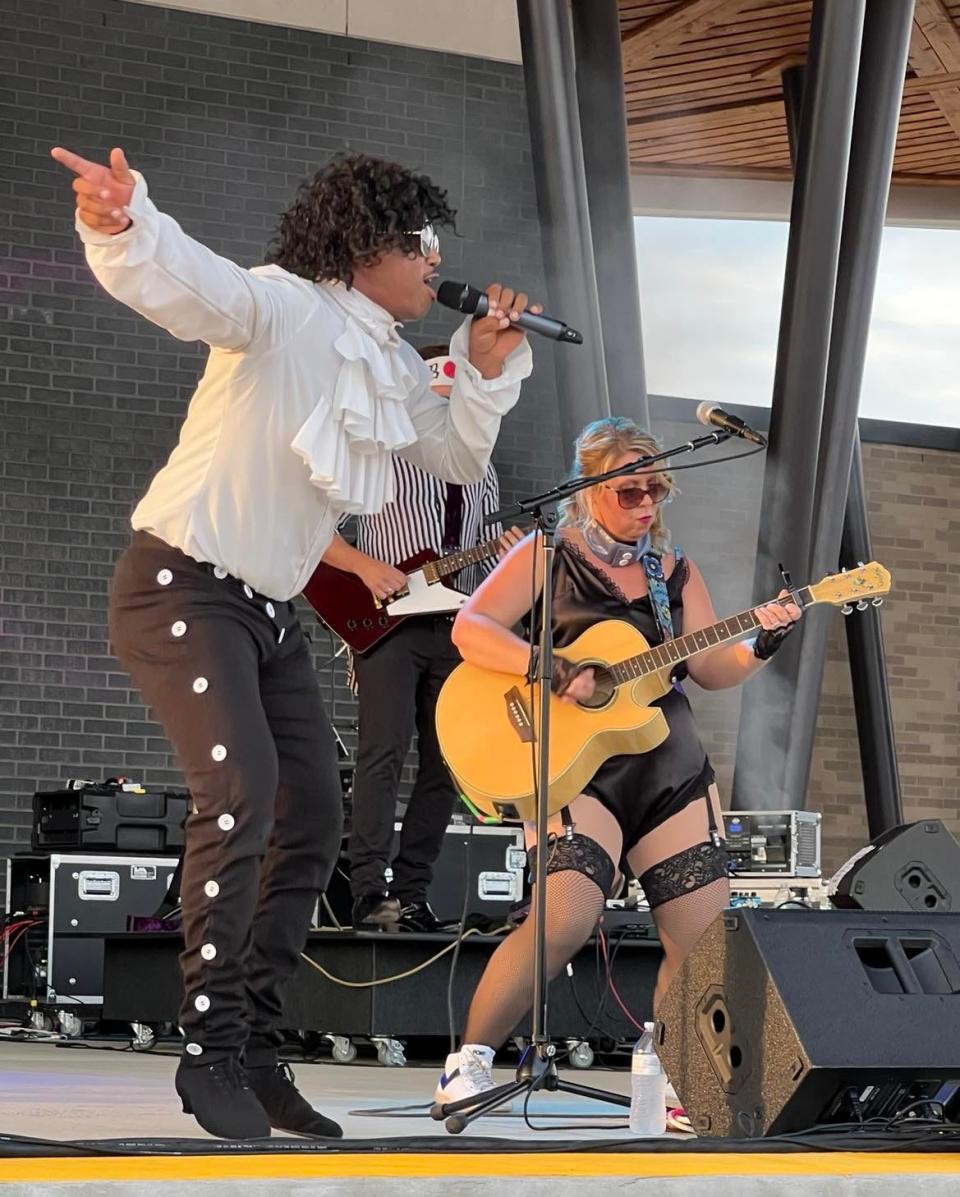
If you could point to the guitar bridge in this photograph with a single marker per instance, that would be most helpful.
(518, 715)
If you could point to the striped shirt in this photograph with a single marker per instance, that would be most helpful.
(414, 521)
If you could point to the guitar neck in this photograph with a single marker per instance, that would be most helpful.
(672, 652)
(454, 562)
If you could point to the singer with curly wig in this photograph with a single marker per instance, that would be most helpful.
(308, 393)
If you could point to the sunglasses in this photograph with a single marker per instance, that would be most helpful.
(429, 239)
(630, 497)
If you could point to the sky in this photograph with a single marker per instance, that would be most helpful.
(710, 293)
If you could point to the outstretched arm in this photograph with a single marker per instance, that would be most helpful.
(144, 259)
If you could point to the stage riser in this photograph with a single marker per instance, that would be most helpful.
(142, 984)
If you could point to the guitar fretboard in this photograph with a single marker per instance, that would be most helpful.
(454, 562)
(664, 656)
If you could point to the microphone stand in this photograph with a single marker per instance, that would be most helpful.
(538, 1069)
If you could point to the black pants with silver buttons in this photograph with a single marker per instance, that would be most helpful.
(228, 673)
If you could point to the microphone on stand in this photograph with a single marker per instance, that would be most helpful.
(710, 413)
(464, 298)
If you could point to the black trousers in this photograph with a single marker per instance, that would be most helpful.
(228, 673)
(398, 682)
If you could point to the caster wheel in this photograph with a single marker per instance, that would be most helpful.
(456, 1124)
(144, 1037)
(344, 1052)
(71, 1024)
(391, 1057)
(581, 1055)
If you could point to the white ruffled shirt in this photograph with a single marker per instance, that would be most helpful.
(308, 391)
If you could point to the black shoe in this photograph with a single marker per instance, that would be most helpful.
(373, 912)
(219, 1096)
(417, 916)
(285, 1105)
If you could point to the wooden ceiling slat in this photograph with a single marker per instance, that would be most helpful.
(702, 88)
(716, 137)
(934, 48)
(643, 43)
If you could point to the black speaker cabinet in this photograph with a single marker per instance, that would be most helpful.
(780, 1020)
(912, 867)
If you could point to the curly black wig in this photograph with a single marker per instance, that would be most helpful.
(353, 210)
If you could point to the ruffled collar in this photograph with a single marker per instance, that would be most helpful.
(360, 418)
(372, 318)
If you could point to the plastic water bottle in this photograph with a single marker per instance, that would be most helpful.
(648, 1088)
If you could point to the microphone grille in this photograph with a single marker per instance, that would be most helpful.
(459, 296)
(705, 411)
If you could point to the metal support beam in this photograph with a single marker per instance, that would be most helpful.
(546, 42)
(799, 382)
(871, 696)
(883, 59)
(603, 134)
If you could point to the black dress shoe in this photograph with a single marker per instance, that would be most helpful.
(374, 912)
(219, 1096)
(285, 1105)
(417, 916)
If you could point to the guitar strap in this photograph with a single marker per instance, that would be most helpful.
(657, 585)
(659, 598)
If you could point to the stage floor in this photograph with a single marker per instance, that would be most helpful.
(77, 1092)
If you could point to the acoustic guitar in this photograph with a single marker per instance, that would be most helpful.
(487, 721)
(348, 608)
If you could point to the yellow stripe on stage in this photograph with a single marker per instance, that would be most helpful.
(475, 1166)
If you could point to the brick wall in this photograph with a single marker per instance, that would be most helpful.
(916, 534)
(225, 118)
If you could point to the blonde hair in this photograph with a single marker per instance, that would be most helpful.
(596, 449)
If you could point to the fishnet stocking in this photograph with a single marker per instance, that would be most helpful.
(505, 993)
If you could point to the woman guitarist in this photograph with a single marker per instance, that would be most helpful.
(657, 812)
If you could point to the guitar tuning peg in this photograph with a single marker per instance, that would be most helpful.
(862, 605)
(860, 564)
(878, 602)
(844, 570)
(845, 609)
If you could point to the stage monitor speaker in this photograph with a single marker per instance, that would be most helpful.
(912, 867)
(781, 1020)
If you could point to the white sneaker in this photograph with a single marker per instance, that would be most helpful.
(467, 1073)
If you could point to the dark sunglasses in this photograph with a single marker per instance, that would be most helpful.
(630, 497)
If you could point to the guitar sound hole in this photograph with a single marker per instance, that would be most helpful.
(604, 688)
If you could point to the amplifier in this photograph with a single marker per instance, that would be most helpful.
(111, 817)
(762, 842)
(73, 902)
(777, 889)
(485, 865)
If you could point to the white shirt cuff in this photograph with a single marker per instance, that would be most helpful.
(517, 366)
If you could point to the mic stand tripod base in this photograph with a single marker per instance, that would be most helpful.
(534, 1073)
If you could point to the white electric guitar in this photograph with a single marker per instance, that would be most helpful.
(346, 606)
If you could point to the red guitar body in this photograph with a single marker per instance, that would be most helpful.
(347, 607)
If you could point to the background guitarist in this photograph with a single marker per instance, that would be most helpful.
(399, 679)
(657, 813)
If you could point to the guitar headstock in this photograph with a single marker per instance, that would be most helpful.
(853, 585)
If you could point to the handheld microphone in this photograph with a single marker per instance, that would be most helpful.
(709, 413)
(464, 298)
